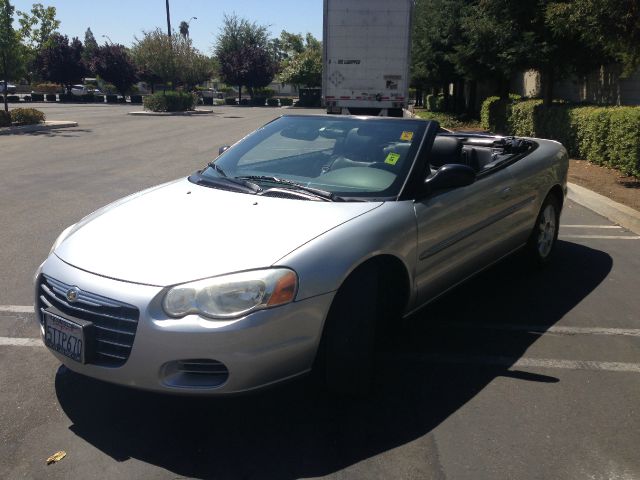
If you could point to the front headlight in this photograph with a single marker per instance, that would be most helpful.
(232, 296)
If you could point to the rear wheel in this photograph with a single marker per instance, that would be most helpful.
(545, 232)
(346, 356)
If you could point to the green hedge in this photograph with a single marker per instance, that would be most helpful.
(37, 97)
(136, 98)
(10, 98)
(51, 97)
(258, 101)
(26, 116)
(602, 135)
(5, 119)
(623, 142)
(495, 113)
(273, 102)
(230, 101)
(170, 101)
(286, 102)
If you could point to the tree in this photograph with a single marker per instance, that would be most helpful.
(184, 29)
(11, 58)
(90, 46)
(288, 45)
(153, 55)
(113, 64)
(436, 34)
(38, 27)
(588, 34)
(198, 68)
(302, 64)
(61, 62)
(497, 41)
(174, 59)
(245, 54)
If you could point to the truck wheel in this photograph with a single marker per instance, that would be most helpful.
(545, 232)
(346, 354)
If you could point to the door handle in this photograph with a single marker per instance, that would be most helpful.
(505, 192)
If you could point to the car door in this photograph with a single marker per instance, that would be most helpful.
(462, 230)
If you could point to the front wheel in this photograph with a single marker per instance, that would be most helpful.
(545, 232)
(346, 355)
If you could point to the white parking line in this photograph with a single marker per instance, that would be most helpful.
(629, 332)
(16, 309)
(21, 342)
(604, 237)
(513, 362)
(590, 226)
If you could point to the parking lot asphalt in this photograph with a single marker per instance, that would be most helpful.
(518, 374)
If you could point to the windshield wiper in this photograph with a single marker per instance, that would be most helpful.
(218, 168)
(298, 186)
(240, 184)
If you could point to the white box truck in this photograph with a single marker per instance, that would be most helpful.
(366, 46)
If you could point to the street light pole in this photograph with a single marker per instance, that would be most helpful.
(168, 19)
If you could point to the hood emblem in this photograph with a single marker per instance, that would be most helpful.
(72, 294)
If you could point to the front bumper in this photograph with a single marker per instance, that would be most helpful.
(260, 349)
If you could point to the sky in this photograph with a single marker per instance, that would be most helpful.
(123, 20)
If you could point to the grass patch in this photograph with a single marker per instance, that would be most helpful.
(450, 120)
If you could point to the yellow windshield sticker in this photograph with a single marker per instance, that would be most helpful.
(392, 158)
(406, 136)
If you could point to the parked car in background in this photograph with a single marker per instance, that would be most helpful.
(84, 90)
(79, 90)
(211, 93)
(297, 248)
(11, 88)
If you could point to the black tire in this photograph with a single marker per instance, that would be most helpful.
(347, 350)
(543, 238)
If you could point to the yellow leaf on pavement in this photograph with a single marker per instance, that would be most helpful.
(56, 457)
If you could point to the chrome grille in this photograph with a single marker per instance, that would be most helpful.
(115, 322)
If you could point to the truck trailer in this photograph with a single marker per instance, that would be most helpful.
(366, 56)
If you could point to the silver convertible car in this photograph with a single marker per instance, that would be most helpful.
(295, 250)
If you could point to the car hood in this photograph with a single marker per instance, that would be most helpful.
(180, 232)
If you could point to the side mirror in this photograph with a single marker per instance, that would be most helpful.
(223, 149)
(451, 175)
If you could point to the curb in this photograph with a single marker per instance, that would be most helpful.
(171, 114)
(624, 216)
(48, 125)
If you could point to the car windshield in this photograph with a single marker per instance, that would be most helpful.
(344, 156)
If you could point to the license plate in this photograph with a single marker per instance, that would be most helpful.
(64, 336)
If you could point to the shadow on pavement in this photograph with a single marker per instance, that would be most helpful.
(297, 431)
(61, 132)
